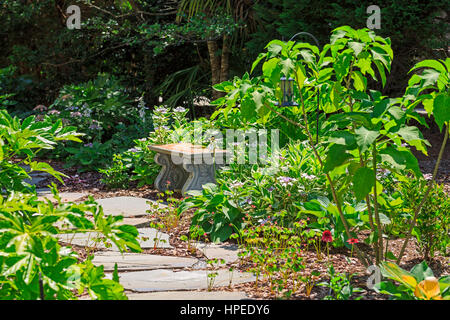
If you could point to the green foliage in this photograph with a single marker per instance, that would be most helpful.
(198, 27)
(23, 140)
(90, 156)
(416, 28)
(366, 131)
(273, 254)
(33, 264)
(417, 284)
(30, 251)
(435, 81)
(340, 286)
(96, 107)
(104, 112)
(137, 163)
(218, 216)
(431, 230)
(259, 192)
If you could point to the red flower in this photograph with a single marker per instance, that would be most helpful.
(326, 236)
(352, 241)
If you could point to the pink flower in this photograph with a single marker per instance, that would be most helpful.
(326, 236)
(54, 112)
(40, 108)
(75, 114)
(352, 241)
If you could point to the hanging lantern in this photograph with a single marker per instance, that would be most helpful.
(287, 88)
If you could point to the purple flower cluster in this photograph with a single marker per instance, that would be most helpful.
(286, 181)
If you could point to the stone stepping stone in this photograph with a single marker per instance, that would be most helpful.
(65, 196)
(227, 252)
(126, 206)
(168, 280)
(189, 295)
(35, 179)
(137, 261)
(137, 222)
(88, 239)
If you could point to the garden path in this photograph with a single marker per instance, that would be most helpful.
(149, 276)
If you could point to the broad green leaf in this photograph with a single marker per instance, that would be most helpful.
(430, 76)
(342, 65)
(381, 71)
(342, 137)
(441, 109)
(363, 181)
(337, 155)
(287, 66)
(421, 271)
(337, 34)
(357, 47)
(410, 133)
(400, 159)
(272, 70)
(365, 137)
(435, 64)
(258, 59)
(359, 81)
(248, 108)
(274, 47)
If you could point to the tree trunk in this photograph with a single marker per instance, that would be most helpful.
(215, 66)
(224, 65)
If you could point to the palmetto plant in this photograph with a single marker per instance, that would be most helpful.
(238, 10)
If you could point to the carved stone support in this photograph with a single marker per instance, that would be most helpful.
(199, 174)
(171, 176)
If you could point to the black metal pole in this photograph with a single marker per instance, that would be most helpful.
(41, 287)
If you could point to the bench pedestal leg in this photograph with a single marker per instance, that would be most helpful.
(171, 176)
(199, 174)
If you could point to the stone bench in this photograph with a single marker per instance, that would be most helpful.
(186, 166)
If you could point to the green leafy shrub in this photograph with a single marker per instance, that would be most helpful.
(90, 156)
(137, 163)
(33, 265)
(340, 286)
(32, 260)
(20, 141)
(433, 221)
(96, 107)
(366, 131)
(102, 110)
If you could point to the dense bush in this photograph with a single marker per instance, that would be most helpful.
(104, 112)
(433, 221)
(362, 152)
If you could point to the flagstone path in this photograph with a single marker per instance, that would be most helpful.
(148, 276)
